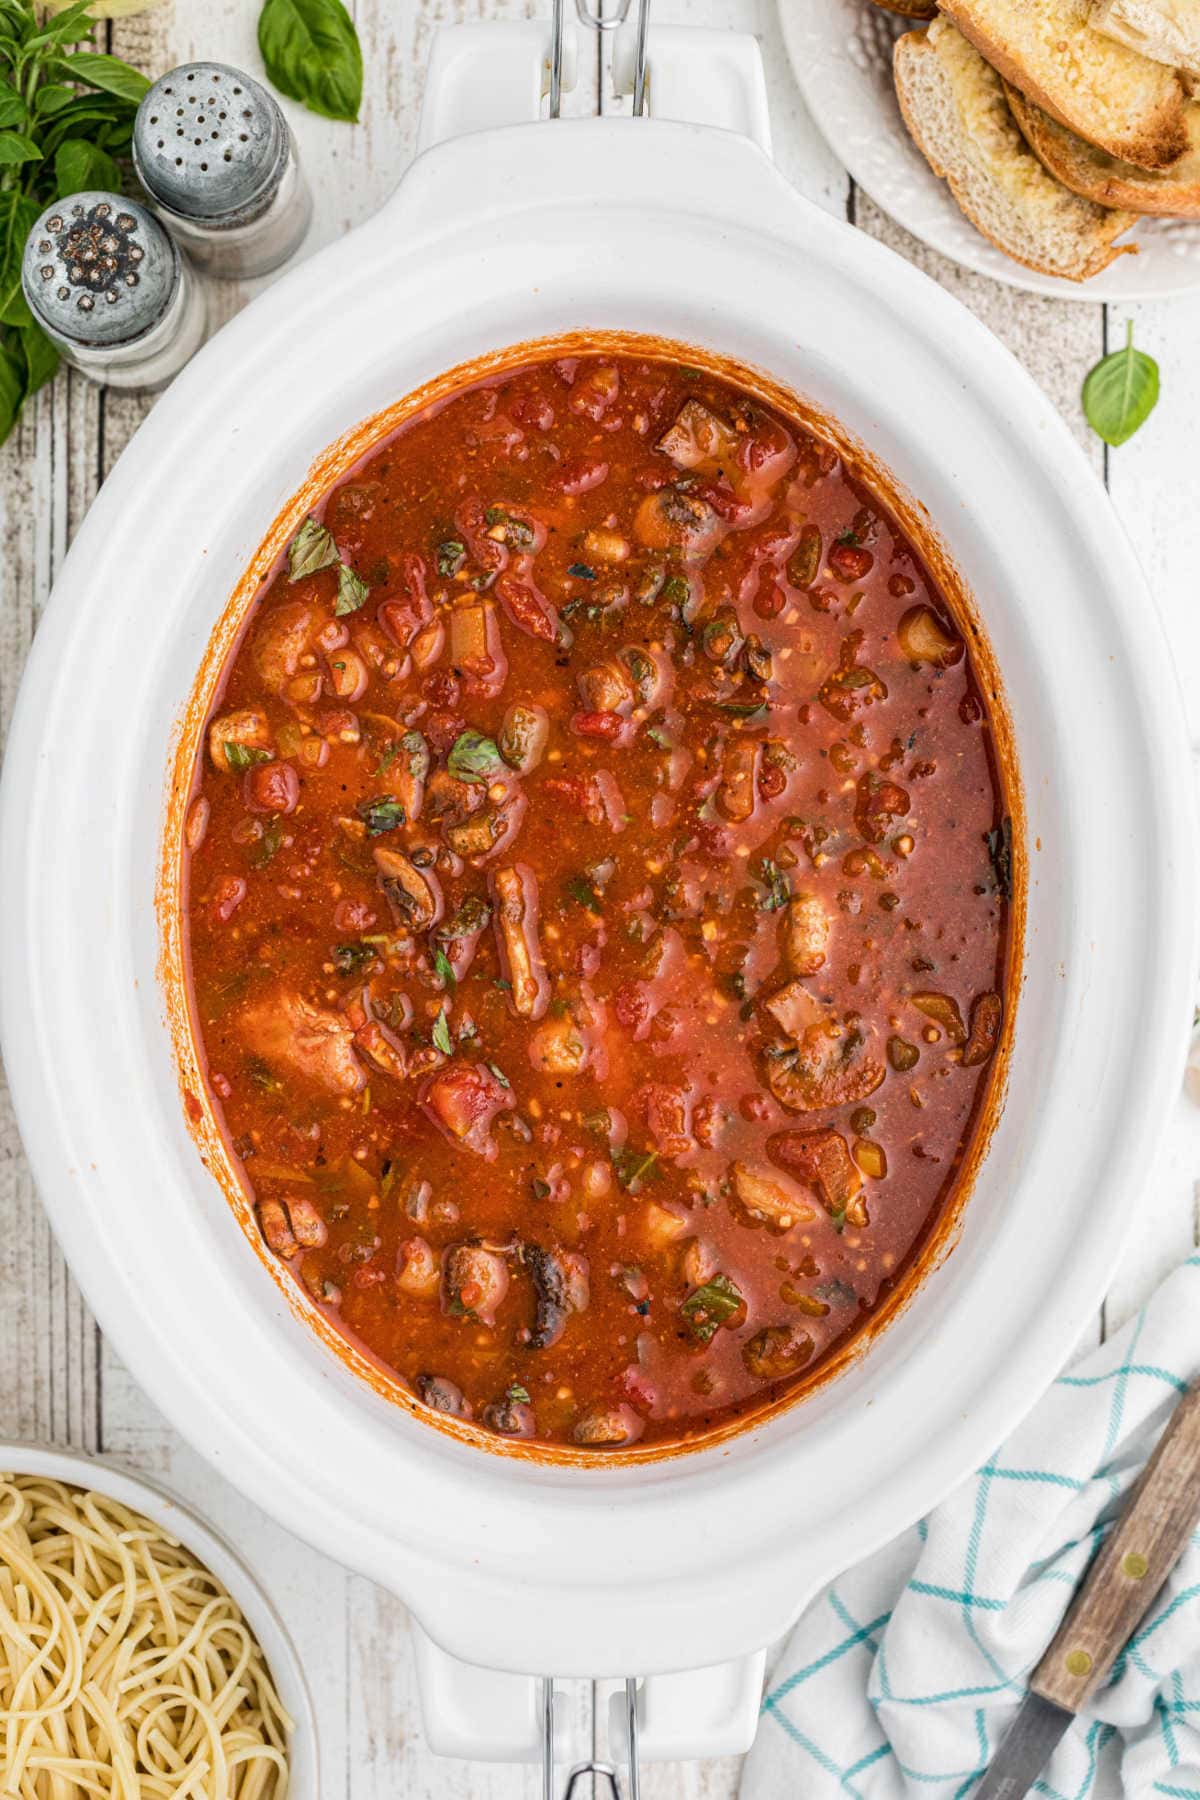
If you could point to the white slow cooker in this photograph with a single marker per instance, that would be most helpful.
(496, 237)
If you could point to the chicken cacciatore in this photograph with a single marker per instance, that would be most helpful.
(598, 881)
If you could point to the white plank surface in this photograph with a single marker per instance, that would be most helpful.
(58, 1381)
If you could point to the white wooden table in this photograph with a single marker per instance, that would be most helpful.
(59, 1381)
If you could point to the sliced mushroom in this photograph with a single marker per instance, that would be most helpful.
(698, 438)
(777, 1352)
(523, 737)
(286, 634)
(767, 1200)
(510, 1418)
(828, 1067)
(286, 1031)
(822, 1159)
(675, 519)
(806, 930)
(475, 1281)
(987, 1011)
(793, 1008)
(738, 795)
(608, 1427)
(443, 1396)
(943, 1010)
(515, 893)
(414, 895)
(560, 1282)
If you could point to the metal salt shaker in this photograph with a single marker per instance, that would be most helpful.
(107, 284)
(215, 155)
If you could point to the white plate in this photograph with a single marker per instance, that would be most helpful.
(841, 55)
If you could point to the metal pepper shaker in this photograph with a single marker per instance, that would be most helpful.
(215, 155)
(107, 284)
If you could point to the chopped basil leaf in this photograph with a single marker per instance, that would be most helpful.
(268, 845)
(541, 1188)
(441, 1034)
(517, 1393)
(352, 591)
(581, 572)
(583, 892)
(243, 756)
(1121, 392)
(779, 888)
(474, 757)
(711, 1306)
(501, 1077)
(451, 555)
(471, 917)
(518, 535)
(311, 549)
(417, 751)
(349, 958)
(383, 813)
(658, 736)
(444, 969)
(751, 711)
(632, 1167)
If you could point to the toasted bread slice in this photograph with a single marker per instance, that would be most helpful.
(1103, 91)
(953, 104)
(1167, 31)
(910, 9)
(1104, 179)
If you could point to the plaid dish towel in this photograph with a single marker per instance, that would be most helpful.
(902, 1676)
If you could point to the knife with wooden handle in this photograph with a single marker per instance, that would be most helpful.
(1117, 1593)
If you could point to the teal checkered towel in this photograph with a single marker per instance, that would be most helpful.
(902, 1676)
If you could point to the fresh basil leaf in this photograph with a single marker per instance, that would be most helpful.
(49, 99)
(444, 969)
(516, 1393)
(79, 164)
(311, 52)
(311, 549)
(352, 591)
(348, 959)
(41, 358)
(16, 148)
(441, 1034)
(108, 73)
(12, 384)
(778, 886)
(632, 1167)
(451, 555)
(474, 757)
(1121, 392)
(243, 756)
(18, 215)
(711, 1306)
(13, 110)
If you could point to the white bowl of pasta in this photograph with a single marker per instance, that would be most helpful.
(138, 1654)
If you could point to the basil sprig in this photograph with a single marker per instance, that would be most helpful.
(1121, 392)
(311, 52)
(66, 119)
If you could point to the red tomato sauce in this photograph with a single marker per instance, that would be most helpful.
(597, 898)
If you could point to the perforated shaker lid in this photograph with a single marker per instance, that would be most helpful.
(99, 269)
(208, 142)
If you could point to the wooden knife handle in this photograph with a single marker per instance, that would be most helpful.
(1132, 1565)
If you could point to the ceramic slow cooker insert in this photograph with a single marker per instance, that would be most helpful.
(495, 239)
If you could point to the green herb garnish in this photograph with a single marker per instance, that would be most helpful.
(632, 1167)
(451, 555)
(474, 757)
(444, 969)
(779, 888)
(999, 848)
(711, 1306)
(348, 959)
(311, 550)
(501, 1077)
(383, 813)
(351, 593)
(243, 756)
(583, 892)
(1121, 392)
(268, 846)
(312, 54)
(518, 535)
(441, 1034)
(517, 1393)
(749, 711)
(581, 572)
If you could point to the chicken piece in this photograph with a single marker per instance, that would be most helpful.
(698, 439)
(420, 1272)
(287, 1032)
(475, 1281)
(465, 1099)
(287, 634)
(768, 1201)
(383, 1050)
(823, 1161)
(805, 933)
(793, 1008)
(414, 895)
(662, 1226)
(560, 1282)
(560, 1047)
(515, 893)
(248, 729)
(827, 1068)
(606, 688)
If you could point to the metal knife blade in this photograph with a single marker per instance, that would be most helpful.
(1027, 1747)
